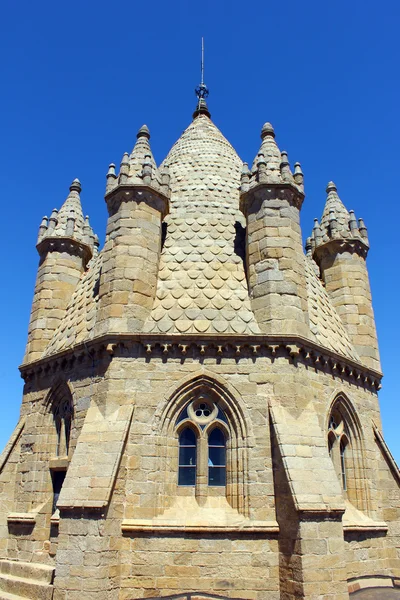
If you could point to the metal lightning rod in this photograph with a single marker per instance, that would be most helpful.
(202, 61)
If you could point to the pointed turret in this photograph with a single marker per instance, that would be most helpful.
(270, 165)
(66, 243)
(137, 201)
(131, 166)
(340, 248)
(271, 199)
(68, 222)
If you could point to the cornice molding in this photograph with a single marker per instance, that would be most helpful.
(294, 348)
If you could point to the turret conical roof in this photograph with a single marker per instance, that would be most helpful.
(69, 220)
(140, 151)
(335, 207)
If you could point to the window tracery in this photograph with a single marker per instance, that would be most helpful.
(209, 421)
(216, 407)
(345, 449)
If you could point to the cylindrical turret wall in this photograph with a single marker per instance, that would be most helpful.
(62, 263)
(131, 259)
(275, 260)
(344, 272)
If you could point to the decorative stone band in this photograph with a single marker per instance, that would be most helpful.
(65, 244)
(156, 197)
(337, 246)
(262, 191)
(293, 348)
(254, 527)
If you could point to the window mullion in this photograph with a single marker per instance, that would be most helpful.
(202, 472)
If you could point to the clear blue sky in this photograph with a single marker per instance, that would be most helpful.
(79, 78)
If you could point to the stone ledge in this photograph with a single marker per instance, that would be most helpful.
(29, 518)
(356, 527)
(372, 581)
(135, 525)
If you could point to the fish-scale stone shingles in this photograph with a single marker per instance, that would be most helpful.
(202, 284)
(205, 171)
(78, 324)
(325, 323)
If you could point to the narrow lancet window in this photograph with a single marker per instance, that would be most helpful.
(187, 457)
(216, 458)
(343, 463)
(62, 414)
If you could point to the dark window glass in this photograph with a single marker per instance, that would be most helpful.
(183, 415)
(216, 438)
(187, 437)
(216, 458)
(216, 476)
(187, 476)
(58, 480)
(187, 457)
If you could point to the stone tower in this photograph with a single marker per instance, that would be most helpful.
(200, 415)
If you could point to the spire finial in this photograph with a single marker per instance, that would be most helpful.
(143, 132)
(75, 186)
(201, 90)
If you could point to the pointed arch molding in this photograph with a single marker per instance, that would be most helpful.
(194, 384)
(239, 436)
(349, 410)
(357, 492)
(231, 513)
(57, 393)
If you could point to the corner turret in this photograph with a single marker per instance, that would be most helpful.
(339, 247)
(66, 243)
(271, 199)
(137, 200)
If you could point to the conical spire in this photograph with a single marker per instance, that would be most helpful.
(335, 220)
(139, 153)
(69, 220)
(270, 165)
(138, 167)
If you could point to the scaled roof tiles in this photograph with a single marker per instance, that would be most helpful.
(202, 285)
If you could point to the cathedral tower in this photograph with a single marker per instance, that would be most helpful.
(200, 418)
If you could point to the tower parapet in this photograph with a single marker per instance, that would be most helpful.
(340, 246)
(271, 199)
(137, 201)
(66, 243)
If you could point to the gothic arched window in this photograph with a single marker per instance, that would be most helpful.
(207, 449)
(345, 449)
(62, 414)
